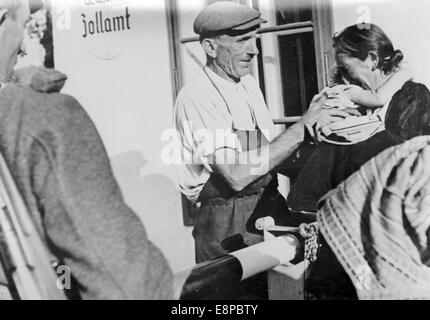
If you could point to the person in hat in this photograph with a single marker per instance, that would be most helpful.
(60, 166)
(229, 149)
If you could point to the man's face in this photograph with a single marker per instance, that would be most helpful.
(234, 54)
(12, 21)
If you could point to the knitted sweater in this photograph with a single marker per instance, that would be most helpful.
(61, 168)
(377, 222)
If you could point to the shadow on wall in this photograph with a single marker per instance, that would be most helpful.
(157, 202)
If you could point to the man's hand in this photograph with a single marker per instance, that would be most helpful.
(317, 117)
(322, 117)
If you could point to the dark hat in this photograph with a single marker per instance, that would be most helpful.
(226, 16)
(35, 5)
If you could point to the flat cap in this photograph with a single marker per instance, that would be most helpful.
(224, 16)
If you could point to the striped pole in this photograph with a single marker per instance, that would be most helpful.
(208, 278)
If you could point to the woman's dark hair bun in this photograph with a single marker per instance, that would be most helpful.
(397, 57)
(392, 62)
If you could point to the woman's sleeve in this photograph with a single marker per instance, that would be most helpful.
(408, 114)
(87, 224)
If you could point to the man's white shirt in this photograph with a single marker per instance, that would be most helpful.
(208, 111)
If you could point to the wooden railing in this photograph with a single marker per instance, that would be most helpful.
(285, 29)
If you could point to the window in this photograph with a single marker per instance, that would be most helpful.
(296, 53)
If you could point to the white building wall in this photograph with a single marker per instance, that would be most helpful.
(130, 100)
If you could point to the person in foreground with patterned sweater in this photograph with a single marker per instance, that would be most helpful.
(62, 171)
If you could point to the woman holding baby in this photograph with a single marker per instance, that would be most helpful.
(372, 76)
(371, 69)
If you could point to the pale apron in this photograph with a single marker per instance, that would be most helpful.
(225, 217)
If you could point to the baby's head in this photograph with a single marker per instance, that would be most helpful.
(340, 77)
(337, 77)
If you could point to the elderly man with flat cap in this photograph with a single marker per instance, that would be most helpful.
(225, 100)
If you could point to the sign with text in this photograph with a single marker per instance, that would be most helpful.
(105, 26)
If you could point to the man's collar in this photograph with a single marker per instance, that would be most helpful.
(220, 81)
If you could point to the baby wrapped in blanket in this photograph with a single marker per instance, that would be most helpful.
(371, 105)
